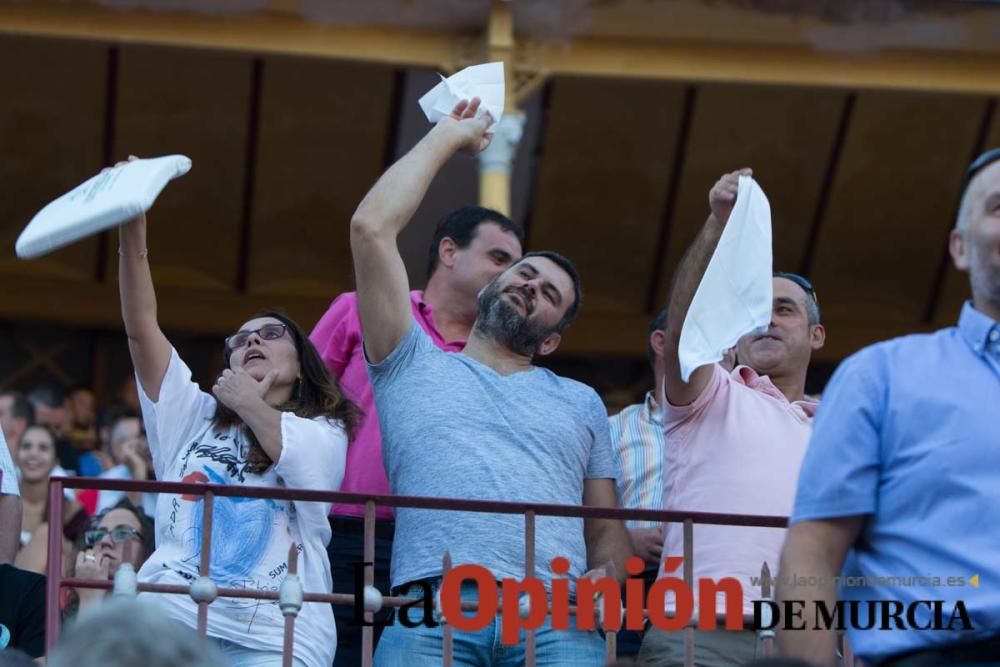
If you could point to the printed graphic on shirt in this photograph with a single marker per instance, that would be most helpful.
(250, 536)
(241, 533)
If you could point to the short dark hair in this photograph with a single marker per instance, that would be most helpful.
(20, 406)
(47, 395)
(568, 267)
(658, 323)
(462, 225)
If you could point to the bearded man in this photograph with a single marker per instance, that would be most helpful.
(483, 424)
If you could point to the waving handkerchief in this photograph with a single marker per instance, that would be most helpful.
(108, 199)
(483, 81)
(735, 294)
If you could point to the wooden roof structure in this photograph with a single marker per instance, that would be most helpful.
(858, 118)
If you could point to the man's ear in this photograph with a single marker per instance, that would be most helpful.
(956, 246)
(549, 345)
(817, 337)
(656, 342)
(447, 249)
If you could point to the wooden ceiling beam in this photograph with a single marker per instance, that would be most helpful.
(280, 32)
(258, 33)
(936, 71)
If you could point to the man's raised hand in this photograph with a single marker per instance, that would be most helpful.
(470, 132)
(722, 196)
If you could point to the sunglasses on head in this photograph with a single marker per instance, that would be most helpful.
(118, 535)
(980, 163)
(801, 282)
(266, 332)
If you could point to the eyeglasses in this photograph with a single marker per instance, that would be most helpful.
(801, 282)
(118, 535)
(266, 332)
(980, 163)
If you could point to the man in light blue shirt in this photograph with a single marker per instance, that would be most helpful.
(484, 424)
(899, 491)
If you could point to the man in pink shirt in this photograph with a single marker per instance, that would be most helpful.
(471, 246)
(733, 441)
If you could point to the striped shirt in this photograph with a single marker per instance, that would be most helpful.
(638, 442)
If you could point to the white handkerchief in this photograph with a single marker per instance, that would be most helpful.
(735, 294)
(106, 200)
(483, 81)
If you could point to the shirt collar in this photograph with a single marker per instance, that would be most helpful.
(976, 327)
(417, 297)
(427, 315)
(753, 380)
(652, 410)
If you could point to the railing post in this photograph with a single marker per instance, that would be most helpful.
(290, 602)
(448, 639)
(53, 582)
(529, 573)
(368, 632)
(766, 636)
(206, 546)
(689, 580)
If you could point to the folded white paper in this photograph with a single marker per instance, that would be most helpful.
(735, 294)
(483, 81)
(108, 199)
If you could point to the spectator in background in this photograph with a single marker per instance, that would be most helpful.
(52, 410)
(733, 440)
(471, 246)
(36, 458)
(16, 415)
(22, 609)
(120, 534)
(22, 594)
(128, 394)
(125, 632)
(83, 406)
(106, 418)
(128, 453)
(637, 441)
(902, 475)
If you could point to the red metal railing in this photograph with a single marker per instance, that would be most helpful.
(55, 581)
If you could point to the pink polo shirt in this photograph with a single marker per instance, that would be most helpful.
(338, 338)
(736, 449)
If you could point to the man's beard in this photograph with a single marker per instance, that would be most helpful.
(501, 322)
(984, 276)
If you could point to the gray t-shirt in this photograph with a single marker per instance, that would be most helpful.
(454, 428)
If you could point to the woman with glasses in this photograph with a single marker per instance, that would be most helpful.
(275, 417)
(121, 534)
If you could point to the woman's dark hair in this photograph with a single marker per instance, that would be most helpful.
(316, 394)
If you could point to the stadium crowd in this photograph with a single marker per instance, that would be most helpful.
(436, 392)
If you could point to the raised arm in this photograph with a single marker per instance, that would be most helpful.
(382, 285)
(607, 540)
(148, 346)
(688, 276)
(814, 551)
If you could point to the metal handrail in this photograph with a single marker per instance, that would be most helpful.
(55, 581)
